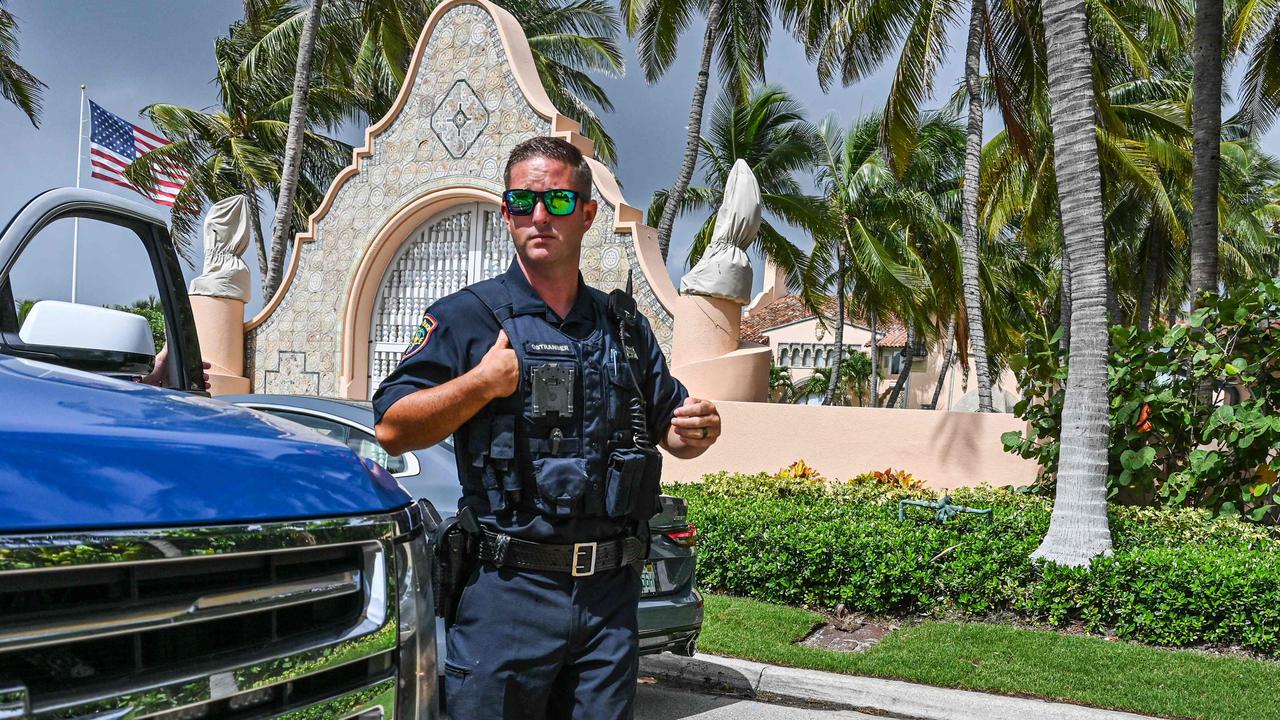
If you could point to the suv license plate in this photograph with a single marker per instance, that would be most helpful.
(648, 580)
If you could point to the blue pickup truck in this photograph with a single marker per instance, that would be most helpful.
(164, 555)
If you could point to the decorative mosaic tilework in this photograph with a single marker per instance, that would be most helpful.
(290, 376)
(464, 85)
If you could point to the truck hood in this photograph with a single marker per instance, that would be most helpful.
(81, 451)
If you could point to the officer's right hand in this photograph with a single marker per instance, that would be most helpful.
(501, 367)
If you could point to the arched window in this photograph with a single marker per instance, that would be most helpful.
(808, 358)
(784, 357)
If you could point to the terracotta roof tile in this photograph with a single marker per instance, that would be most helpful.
(789, 309)
(896, 337)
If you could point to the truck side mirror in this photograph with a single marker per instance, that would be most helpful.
(53, 322)
(117, 338)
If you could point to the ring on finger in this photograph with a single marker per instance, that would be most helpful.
(704, 434)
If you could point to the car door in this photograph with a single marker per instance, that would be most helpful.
(86, 279)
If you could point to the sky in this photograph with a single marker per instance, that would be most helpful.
(134, 52)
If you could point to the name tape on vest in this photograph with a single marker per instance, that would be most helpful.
(548, 348)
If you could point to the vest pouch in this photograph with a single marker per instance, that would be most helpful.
(501, 481)
(632, 483)
(562, 481)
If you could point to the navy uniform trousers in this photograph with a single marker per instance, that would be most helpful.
(534, 645)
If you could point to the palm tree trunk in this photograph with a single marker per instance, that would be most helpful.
(1078, 528)
(676, 196)
(875, 362)
(1064, 300)
(1149, 273)
(1206, 126)
(1113, 302)
(283, 225)
(972, 169)
(908, 359)
(252, 194)
(839, 331)
(946, 364)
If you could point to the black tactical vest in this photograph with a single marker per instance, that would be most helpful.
(563, 444)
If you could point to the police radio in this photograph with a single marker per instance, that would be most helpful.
(642, 464)
(622, 310)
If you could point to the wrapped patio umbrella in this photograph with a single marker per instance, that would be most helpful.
(725, 270)
(226, 237)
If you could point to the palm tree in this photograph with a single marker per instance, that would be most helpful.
(737, 32)
(238, 148)
(281, 231)
(860, 245)
(972, 175)
(931, 185)
(853, 39)
(1253, 29)
(1078, 527)
(1250, 215)
(850, 382)
(17, 85)
(769, 132)
(945, 368)
(24, 307)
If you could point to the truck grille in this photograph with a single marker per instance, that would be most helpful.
(202, 623)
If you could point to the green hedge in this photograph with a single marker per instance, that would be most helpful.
(1177, 577)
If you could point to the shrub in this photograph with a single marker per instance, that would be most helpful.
(1177, 576)
(1168, 445)
(892, 478)
(801, 471)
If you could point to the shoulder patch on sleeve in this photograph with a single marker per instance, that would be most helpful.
(420, 336)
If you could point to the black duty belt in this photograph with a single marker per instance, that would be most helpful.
(577, 559)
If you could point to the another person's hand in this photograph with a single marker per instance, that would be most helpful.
(500, 368)
(696, 423)
(159, 374)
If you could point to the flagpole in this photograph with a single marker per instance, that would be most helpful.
(75, 232)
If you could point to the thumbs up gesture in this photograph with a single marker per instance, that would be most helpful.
(500, 367)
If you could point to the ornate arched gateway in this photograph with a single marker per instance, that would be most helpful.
(415, 215)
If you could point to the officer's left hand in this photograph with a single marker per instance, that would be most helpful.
(696, 423)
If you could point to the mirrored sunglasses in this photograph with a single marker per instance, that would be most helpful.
(557, 202)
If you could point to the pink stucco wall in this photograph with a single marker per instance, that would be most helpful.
(943, 449)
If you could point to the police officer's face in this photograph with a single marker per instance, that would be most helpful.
(542, 239)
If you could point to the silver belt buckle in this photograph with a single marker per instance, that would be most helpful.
(584, 566)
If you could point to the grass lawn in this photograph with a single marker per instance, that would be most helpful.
(1011, 661)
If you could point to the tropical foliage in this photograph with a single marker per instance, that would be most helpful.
(736, 32)
(238, 147)
(17, 84)
(770, 133)
(1168, 445)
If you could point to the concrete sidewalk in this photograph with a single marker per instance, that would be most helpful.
(892, 697)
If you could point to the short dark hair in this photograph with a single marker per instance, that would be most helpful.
(552, 148)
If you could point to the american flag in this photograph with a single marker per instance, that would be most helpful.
(114, 143)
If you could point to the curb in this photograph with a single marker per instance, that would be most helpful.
(893, 697)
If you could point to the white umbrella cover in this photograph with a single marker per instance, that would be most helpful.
(226, 237)
(725, 270)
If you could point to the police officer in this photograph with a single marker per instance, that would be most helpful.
(554, 394)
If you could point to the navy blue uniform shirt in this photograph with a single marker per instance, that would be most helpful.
(461, 330)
